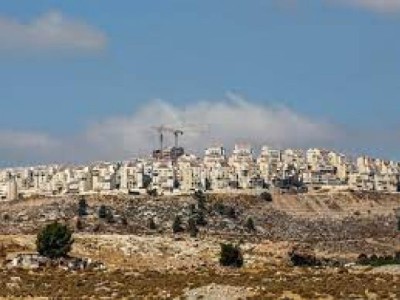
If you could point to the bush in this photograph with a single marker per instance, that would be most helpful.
(192, 209)
(250, 225)
(266, 196)
(200, 218)
(377, 261)
(231, 256)
(230, 212)
(151, 224)
(79, 224)
(146, 181)
(177, 225)
(54, 241)
(219, 208)
(109, 216)
(192, 228)
(362, 259)
(124, 221)
(152, 192)
(102, 212)
(82, 207)
(225, 210)
(201, 200)
(303, 258)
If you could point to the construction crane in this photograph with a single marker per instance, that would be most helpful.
(161, 129)
(177, 132)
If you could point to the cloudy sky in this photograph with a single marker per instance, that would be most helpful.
(86, 80)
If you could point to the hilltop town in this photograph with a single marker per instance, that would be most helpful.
(172, 171)
(155, 227)
(292, 244)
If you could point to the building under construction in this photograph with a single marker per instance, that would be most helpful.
(170, 153)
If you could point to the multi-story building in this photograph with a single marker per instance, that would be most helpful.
(215, 171)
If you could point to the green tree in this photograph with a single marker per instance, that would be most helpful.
(230, 212)
(192, 228)
(192, 209)
(208, 184)
(177, 225)
(152, 192)
(109, 216)
(201, 200)
(82, 207)
(146, 181)
(250, 225)
(200, 218)
(266, 196)
(54, 240)
(102, 212)
(231, 256)
(151, 224)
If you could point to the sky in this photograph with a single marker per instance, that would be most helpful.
(85, 80)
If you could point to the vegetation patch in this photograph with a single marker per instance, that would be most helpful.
(378, 261)
(231, 256)
(54, 240)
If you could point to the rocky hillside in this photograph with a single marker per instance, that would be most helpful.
(287, 217)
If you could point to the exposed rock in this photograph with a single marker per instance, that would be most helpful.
(218, 292)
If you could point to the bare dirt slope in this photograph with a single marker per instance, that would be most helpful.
(337, 204)
(144, 263)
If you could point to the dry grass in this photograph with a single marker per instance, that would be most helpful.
(266, 284)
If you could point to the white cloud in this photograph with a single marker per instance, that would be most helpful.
(50, 31)
(380, 6)
(226, 121)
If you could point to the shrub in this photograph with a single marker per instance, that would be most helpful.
(152, 192)
(362, 259)
(376, 261)
(303, 258)
(54, 240)
(266, 196)
(192, 209)
(230, 212)
(82, 207)
(219, 208)
(250, 225)
(79, 224)
(146, 181)
(177, 225)
(151, 224)
(201, 200)
(231, 256)
(208, 184)
(200, 218)
(192, 228)
(109, 216)
(124, 221)
(225, 210)
(102, 212)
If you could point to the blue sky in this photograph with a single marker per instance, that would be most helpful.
(331, 63)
